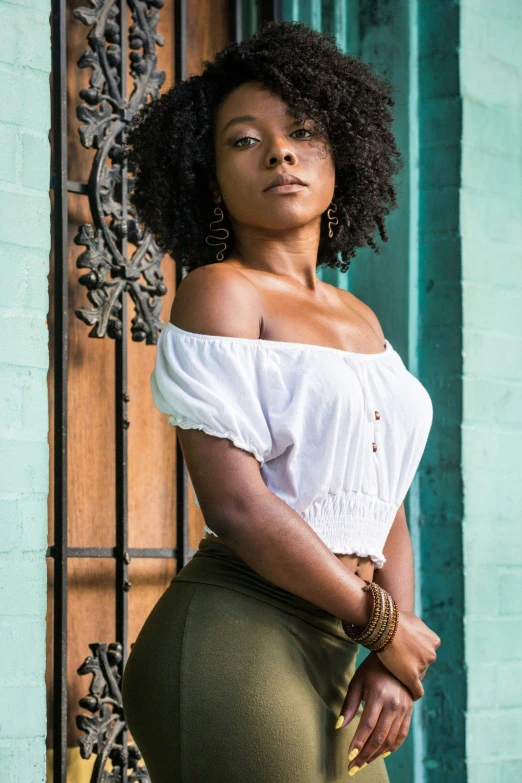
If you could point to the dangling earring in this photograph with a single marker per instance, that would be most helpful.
(220, 240)
(332, 220)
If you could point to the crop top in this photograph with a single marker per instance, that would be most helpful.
(338, 434)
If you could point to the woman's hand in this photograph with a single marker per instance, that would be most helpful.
(411, 652)
(386, 717)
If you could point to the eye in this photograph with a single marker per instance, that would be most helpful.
(236, 143)
(241, 146)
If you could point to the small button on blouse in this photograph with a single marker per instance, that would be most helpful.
(377, 416)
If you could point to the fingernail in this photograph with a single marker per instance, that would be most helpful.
(353, 771)
(388, 753)
(339, 723)
(353, 754)
(364, 765)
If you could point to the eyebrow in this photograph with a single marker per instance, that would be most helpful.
(250, 118)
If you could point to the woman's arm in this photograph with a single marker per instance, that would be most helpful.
(397, 574)
(264, 531)
(388, 705)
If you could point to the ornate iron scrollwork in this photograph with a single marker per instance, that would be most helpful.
(106, 115)
(105, 727)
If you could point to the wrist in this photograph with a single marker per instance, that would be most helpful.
(362, 607)
(379, 631)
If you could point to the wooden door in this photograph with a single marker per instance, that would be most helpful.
(91, 390)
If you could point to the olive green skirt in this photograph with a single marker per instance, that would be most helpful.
(234, 680)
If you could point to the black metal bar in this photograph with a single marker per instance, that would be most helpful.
(180, 39)
(77, 187)
(235, 20)
(72, 186)
(182, 539)
(122, 585)
(268, 10)
(60, 338)
(122, 398)
(277, 10)
(111, 552)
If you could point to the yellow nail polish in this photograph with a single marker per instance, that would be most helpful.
(388, 753)
(353, 754)
(339, 722)
(364, 765)
(353, 771)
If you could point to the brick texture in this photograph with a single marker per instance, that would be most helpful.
(24, 453)
(491, 219)
(440, 368)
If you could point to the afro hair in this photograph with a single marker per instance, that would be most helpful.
(170, 144)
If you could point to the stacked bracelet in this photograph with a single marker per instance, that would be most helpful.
(382, 626)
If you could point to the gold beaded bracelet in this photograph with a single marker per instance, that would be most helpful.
(362, 634)
(382, 626)
(389, 628)
(392, 631)
(378, 638)
(374, 625)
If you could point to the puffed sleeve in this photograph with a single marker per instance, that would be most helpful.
(216, 384)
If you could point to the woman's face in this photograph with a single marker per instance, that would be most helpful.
(256, 137)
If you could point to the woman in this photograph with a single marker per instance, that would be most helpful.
(300, 426)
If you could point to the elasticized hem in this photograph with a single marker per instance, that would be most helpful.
(189, 424)
(377, 559)
(352, 523)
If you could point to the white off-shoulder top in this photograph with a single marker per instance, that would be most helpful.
(338, 434)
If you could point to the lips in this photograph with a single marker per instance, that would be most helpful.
(284, 179)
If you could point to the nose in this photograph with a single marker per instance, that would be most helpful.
(279, 152)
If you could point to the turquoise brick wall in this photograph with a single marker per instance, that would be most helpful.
(439, 328)
(491, 223)
(24, 454)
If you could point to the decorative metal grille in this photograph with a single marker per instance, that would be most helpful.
(106, 113)
(122, 38)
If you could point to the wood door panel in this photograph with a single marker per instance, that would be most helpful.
(91, 404)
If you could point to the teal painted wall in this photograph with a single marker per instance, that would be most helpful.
(491, 222)
(414, 287)
(439, 327)
(386, 281)
(24, 456)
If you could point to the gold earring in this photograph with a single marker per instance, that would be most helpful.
(332, 220)
(220, 240)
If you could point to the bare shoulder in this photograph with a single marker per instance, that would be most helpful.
(217, 299)
(364, 310)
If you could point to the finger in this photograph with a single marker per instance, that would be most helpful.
(390, 743)
(367, 723)
(401, 734)
(404, 729)
(351, 703)
(375, 740)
